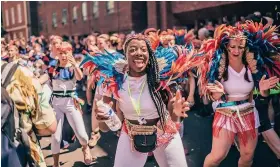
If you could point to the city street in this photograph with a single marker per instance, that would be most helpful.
(226, 50)
(197, 138)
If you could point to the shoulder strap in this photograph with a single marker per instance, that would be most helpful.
(3, 66)
(16, 116)
(7, 73)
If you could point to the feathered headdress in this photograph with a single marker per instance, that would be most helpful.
(109, 69)
(264, 42)
(261, 55)
(183, 37)
(175, 63)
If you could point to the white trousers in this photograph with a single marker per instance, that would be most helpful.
(66, 106)
(171, 155)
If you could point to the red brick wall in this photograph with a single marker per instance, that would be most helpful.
(17, 27)
(104, 23)
(8, 6)
(152, 15)
(181, 6)
(112, 22)
(46, 11)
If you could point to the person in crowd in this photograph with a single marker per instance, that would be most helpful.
(120, 43)
(203, 34)
(36, 115)
(65, 102)
(154, 109)
(104, 44)
(77, 46)
(235, 112)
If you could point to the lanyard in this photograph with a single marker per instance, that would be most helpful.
(136, 105)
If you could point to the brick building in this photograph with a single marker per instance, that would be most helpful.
(84, 17)
(77, 18)
(17, 17)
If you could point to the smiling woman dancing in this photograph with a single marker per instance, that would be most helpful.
(147, 123)
(237, 66)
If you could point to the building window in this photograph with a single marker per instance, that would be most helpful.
(15, 36)
(20, 34)
(54, 20)
(75, 14)
(110, 7)
(7, 17)
(19, 13)
(64, 16)
(13, 15)
(9, 37)
(41, 24)
(95, 10)
(84, 10)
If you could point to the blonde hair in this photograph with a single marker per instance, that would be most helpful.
(106, 37)
(65, 47)
(12, 46)
(54, 37)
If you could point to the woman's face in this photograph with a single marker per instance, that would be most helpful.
(122, 38)
(76, 39)
(137, 55)
(164, 40)
(37, 48)
(91, 41)
(236, 48)
(12, 51)
(63, 56)
(56, 44)
(101, 44)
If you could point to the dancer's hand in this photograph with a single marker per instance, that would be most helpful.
(266, 84)
(180, 105)
(72, 60)
(216, 89)
(102, 109)
(190, 100)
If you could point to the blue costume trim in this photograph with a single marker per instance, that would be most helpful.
(63, 73)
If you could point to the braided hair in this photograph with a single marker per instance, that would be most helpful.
(159, 97)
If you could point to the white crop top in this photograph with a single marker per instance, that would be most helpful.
(147, 106)
(236, 85)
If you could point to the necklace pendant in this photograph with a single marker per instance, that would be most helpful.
(142, 120)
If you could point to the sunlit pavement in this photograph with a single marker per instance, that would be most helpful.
(197, 138)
